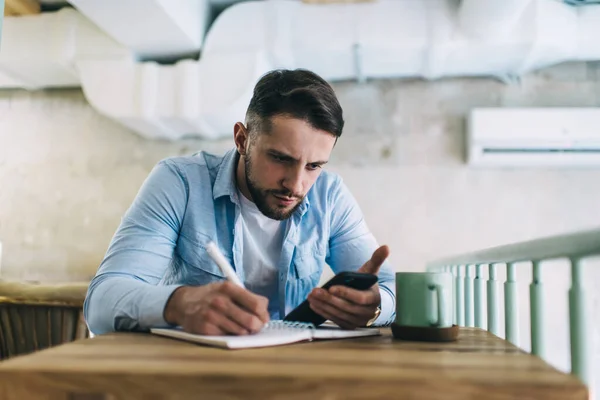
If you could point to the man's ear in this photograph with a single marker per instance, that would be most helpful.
(241, 138)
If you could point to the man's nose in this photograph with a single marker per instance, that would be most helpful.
(293, 181)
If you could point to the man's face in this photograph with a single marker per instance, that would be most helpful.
(281, 166)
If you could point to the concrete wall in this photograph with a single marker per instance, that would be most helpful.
(67, 175)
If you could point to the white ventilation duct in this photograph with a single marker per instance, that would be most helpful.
(168, 102)
(500, 16)
(40, 51)
(383, 39)
(151, 28)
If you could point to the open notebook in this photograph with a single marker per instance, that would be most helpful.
(275, 333)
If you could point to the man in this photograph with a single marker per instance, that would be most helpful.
(273, 212)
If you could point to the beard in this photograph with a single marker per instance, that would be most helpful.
(261, 196)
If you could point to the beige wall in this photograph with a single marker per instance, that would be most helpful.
(67, 175)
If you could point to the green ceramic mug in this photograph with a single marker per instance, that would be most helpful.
(424, 299)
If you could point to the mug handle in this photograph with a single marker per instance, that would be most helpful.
(437, 291)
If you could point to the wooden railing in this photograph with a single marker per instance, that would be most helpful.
(470, 289)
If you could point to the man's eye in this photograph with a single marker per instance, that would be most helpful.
(313, 167)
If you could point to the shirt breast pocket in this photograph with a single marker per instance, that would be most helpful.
(308, 264)
(191, 264)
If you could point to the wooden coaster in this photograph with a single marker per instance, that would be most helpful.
(425, 334)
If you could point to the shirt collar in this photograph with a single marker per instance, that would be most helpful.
(225, 184)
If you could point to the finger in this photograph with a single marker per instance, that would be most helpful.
(372, 266)
(227, 325)
(206, 329)
(334, 318)
(329, 312)
(361, 297)
(203, 326)
(240, 320)
(255, 304)
(323, 313)
(363, 312)
(324, 303)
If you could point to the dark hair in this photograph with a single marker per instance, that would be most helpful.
(296, 93)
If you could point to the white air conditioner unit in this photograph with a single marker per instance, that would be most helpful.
(518, 137)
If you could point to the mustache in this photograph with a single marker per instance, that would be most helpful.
(286, 193)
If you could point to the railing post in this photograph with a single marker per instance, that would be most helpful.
(454, 271)
(469, 296)
(460, 316)
(479, 286)
(578, 324)
(492, 301)
(511, 310)
(537, 312)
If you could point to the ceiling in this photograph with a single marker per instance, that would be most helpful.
(115, 50)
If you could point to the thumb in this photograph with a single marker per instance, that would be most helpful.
(372, 266)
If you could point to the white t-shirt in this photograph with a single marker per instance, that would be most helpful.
(262, 237)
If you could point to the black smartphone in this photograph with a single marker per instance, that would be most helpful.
(354, 280)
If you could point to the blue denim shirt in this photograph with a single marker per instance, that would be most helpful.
(187, 202)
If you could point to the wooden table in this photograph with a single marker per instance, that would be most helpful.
(142, 366)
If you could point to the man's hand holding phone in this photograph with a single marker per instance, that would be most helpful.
(350, 308)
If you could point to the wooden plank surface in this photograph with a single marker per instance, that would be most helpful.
(21, 7)
(141, 366)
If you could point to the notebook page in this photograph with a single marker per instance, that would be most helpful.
(335, 332)
(274, 334)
